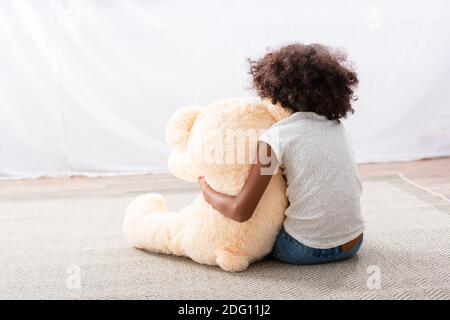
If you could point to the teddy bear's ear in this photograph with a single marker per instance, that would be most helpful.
(276, 111)
(180, 125)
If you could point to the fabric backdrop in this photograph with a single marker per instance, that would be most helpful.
(86, 87)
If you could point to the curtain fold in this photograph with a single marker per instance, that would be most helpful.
(86, 87)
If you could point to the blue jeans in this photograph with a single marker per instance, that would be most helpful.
(289, 250)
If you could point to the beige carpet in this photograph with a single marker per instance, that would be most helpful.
(71, 247)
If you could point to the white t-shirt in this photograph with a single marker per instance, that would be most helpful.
(323, 186)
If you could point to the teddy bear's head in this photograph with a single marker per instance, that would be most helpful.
(219, 141)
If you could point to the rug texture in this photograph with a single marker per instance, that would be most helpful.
(72, 247)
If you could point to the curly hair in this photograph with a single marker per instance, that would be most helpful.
(306, 78)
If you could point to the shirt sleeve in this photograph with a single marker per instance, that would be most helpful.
(272, 137)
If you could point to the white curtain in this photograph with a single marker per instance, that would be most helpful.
(87, 86)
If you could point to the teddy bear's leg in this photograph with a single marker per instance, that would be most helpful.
(142, 205)
(232, 259)
(148, 225)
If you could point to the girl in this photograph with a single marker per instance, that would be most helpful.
(323, 221)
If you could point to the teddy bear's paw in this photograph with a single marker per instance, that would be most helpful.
(143, 205)
(151, 202)
(232, 259)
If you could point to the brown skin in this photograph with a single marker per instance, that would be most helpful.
(241, 207)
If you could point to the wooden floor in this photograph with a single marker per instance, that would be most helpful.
(433, 174)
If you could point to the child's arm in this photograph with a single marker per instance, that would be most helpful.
(241, 207)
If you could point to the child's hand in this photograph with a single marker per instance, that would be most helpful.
(202, 182)
(204, 187)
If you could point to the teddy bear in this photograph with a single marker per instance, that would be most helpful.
(218, 142)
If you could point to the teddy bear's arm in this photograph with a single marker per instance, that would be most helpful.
(181, 167)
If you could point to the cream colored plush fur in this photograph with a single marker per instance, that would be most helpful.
(198, 230)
